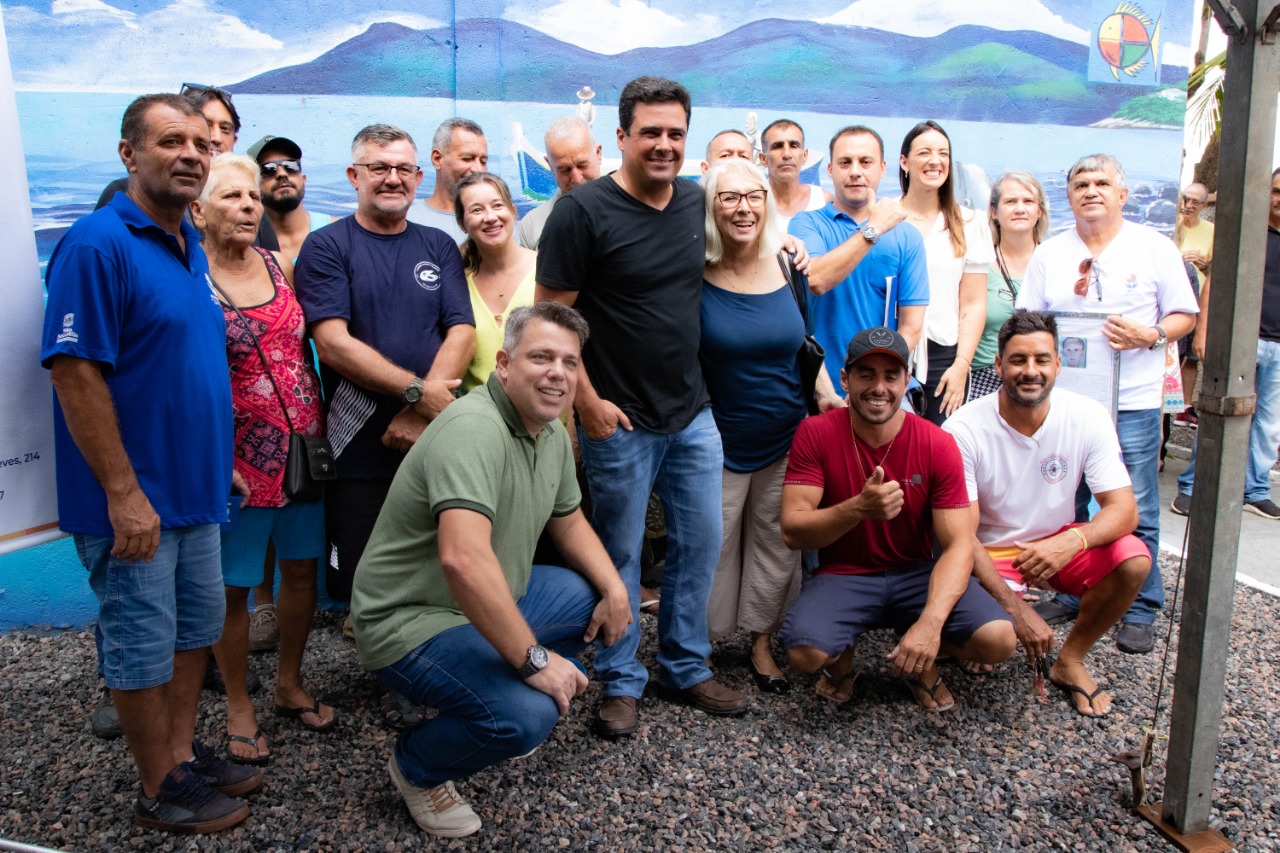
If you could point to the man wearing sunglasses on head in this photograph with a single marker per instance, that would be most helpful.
(283, 185)
(1134, 275)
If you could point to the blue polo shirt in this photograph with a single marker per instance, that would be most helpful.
(124, 294)
(893, 273)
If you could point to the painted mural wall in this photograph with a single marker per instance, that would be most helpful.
(1031, 84)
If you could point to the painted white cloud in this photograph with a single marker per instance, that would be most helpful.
(926, 18)
(89, 45)
(615, 26)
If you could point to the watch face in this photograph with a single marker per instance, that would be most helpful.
(413, 394)
(538, 656)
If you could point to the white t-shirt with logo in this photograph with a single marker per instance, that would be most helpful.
(1140, 275)
(1025, 486)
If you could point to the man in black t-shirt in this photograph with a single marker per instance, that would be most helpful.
(627, 250)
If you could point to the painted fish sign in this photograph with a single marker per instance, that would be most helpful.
(1126, 43)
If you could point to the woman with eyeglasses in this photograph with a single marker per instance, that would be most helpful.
(752, 330)
(499, 270)
(265, 383)
(1019, 216)
(958, 252)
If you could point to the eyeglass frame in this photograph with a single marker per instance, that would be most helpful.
(739, 197)
(387, 167)
(1089, 273)
(291, 166)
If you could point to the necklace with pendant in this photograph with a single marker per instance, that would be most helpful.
(857, 454)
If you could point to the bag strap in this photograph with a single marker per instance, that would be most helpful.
(266, 365)
(793, 282)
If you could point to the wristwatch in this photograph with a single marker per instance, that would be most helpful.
(535, 661)
(870, 233)
(1160, 341)
(413, 393)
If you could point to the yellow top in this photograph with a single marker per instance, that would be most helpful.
(1199, 239)
(489, 330)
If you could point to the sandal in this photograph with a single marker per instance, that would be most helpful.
(917, 687)
(296, 714)
(398, 712)
(258, 760)
(836, 685)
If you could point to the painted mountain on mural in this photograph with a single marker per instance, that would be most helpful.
(969, 72)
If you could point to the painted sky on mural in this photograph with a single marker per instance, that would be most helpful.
(78, 44)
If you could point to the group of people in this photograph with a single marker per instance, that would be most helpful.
(673, 328)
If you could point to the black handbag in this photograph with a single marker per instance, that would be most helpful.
(309, 461)
(811, 355)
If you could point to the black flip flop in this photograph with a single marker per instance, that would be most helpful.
(258, 760)
(296, 714)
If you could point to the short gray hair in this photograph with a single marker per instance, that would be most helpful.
(444, 133)
(553, 312)
(771, 233)
(226, 162)
(379, 134)
(1098, 163)
(567, 128)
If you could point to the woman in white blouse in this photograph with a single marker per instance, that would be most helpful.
(959, 252)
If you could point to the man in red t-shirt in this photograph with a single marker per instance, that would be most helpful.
(871, 486)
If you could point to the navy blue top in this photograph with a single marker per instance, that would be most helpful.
(749, 348)
(123, 293)
(400, 294)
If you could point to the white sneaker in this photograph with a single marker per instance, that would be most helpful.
(439, 810)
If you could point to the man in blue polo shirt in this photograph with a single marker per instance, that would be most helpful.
(136, 346)
(864, 271)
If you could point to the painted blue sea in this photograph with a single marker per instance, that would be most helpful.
(70, 141)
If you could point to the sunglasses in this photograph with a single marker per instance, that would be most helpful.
(269, 170)
(1088, 275)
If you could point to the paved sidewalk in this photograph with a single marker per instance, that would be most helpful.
(1257, 565)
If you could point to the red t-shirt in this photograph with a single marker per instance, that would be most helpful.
(923, 459)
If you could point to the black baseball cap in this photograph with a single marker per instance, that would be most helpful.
(877, 339)
(276, 143)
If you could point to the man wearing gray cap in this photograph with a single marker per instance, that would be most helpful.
(283, 185)
(871, 486)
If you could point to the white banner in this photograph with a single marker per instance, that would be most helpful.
(28, 502)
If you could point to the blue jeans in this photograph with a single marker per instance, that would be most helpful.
(684, 468)
(1139, 433)
(487, 713)
(149, 610)
(1264, 430)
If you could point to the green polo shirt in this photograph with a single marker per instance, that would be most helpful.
(477, 455)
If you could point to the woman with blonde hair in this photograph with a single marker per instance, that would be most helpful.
(274, 390)
(958, 252)
(1019, 217)
(753, 325)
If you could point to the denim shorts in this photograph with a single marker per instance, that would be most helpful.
(149, 610)
(834, 610)
(296, 529)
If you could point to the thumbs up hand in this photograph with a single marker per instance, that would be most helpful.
(881, 500)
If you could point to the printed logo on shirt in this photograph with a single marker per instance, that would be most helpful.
(68, 335)
(427, 275)
(1053, 468)
(1131, 281)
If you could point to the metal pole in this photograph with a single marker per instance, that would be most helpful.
(1225, 405)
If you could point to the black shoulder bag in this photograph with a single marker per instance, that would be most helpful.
(310, 459)
(811, 355)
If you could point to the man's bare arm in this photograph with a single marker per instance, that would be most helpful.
(805, 525)
(90, 414)
(834, 267)
(1033, 632)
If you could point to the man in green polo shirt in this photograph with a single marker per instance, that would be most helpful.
(447, 606)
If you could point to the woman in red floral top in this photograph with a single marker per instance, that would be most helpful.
(259, 283)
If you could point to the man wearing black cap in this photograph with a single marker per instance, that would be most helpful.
(283, 185)
(871, 486)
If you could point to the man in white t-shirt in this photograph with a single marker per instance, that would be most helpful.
(1134, 275)
(1026, 449)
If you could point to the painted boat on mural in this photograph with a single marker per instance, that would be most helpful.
(538, 182)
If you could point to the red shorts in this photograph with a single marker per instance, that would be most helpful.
(1086, 569)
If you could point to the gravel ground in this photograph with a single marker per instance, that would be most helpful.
(1003, 771)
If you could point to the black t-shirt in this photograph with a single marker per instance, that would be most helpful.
(267, 238)
(1269, 330)
(638, 273)
(400, 294)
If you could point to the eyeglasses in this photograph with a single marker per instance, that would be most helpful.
(730, 200)
(380, 170)
(1088, 275)
(1191, 202)
(269, 170)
